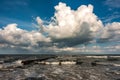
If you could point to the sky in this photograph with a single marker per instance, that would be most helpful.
(59, 26)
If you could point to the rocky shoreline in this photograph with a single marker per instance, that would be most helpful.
(28, 68)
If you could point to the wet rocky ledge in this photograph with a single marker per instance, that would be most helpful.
(84, 68)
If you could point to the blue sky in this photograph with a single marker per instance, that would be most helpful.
(24, 14)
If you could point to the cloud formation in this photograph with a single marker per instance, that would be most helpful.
(111, 32)
(67, 28)
(113, 3)
(13, 36)
(70, 27)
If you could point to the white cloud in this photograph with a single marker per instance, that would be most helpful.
(111, 32)
(67, 29)
(39, 20)
(74, 26)
(15, 36)
(111, 18)
(70, 24)
(113, 3)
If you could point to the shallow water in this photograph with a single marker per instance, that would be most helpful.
(83, 71)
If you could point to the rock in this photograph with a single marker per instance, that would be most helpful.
(92, 77)
(79, 62)
(35, 78)
(93, 63)
(58, 71)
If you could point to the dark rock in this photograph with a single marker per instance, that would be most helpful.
(93, 64)
(112, 59)
(83, 70)
(79, 62)
(35, 78)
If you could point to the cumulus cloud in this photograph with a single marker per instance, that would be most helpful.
(70, 27)
(111, 32)
(13, 36)
(67, 28)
